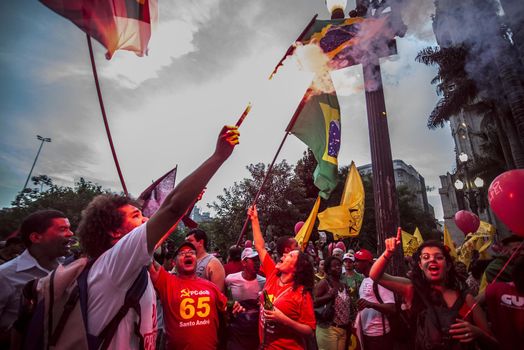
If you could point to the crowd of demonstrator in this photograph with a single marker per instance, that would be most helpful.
(267, 295)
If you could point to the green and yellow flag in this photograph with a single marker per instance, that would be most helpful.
(302, 236)
(316, 122)
(346, 219)
(449, 242)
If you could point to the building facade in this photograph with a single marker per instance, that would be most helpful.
(406, 175)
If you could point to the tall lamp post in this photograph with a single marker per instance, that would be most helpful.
(43, 139)
(387, 216)
(472, 189)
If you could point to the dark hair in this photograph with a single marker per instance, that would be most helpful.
(38, 222)
(99, 218)
(329, 261)
(518, 274)
(235, 253)
(419, 279)
(304, 273)
(282, 243)
(199, 235)
(13, 241)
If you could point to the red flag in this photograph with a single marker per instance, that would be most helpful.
(116, 24)
(155, 194)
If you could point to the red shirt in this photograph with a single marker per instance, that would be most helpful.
(191, 309)
(295, 304)
(506, 313)
(233, 267)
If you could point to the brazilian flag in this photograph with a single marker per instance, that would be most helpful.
(317, 123)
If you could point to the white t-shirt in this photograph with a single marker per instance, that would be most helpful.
(243, 289)
(109, 279)
(371, 319)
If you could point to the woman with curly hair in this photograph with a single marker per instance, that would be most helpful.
(291, 320)
(331, 333)
(444, 313)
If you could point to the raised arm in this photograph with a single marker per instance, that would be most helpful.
(394, 283)
(260, 244)
(179, 200)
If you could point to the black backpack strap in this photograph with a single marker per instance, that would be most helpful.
(68, 308)
(377, 295)
(132, 300)
(82, 296)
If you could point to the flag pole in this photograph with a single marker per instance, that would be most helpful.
(262, 186)
(101, 102)
(288, 131)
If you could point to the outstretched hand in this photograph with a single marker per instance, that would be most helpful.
(392, 243)
(227, 140)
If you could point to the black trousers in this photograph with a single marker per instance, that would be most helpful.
(378, 343)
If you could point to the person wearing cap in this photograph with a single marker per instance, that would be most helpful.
(371, 320)
(245, 287)
(208, 266)
(352, 279)
(121, 241)
(191, 305)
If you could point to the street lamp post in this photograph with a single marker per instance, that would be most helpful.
(43, 139)
(470, 189)
(387, 216)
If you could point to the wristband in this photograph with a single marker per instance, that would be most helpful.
(385, 257)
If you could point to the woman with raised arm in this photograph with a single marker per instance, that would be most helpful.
(287, 318)
(440, 306)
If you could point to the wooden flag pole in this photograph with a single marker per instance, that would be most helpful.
(288, 131)
(261, 187)
(101, 102)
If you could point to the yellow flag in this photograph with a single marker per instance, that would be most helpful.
(346, 219)
(304, 233)
(449, 242)
(409, 243)
(480, 241)
(418, 235)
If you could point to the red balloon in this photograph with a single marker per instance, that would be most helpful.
(506, 198)
(466, 221)
(298, 226)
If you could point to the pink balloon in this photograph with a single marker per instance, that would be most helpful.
(341, 245)
(298, 226)
(506, 198)
(466, 221)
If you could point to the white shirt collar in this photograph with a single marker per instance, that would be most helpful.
(26, 261)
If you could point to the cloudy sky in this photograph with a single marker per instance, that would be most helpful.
(207, 60)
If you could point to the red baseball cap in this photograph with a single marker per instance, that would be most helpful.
(364, 255)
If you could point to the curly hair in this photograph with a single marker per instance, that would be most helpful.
(329, 261)
(304, 273)
(419, 279)
(99, 218)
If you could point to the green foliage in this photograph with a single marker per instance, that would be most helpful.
(69, 200)
(277, 205)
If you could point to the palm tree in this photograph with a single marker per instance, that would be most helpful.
(461, 93)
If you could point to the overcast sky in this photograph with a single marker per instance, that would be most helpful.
(207, 60)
